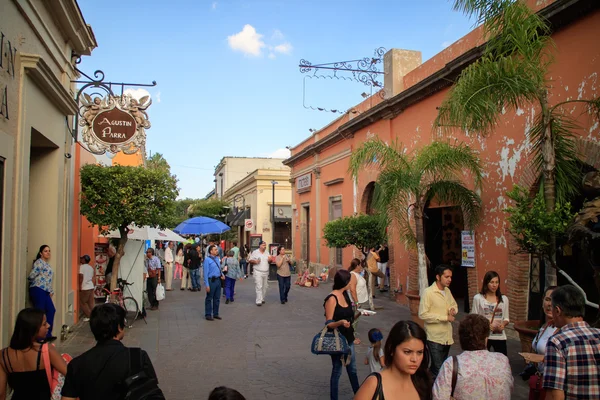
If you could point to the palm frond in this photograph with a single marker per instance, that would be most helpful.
(484, 89)
(375, 151)
(483, 10)
(455, 193)
(567, 158)
(443, 161)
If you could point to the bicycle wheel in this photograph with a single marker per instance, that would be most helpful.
(132, 310)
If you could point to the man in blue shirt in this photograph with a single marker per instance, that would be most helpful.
(152, 269)
(212, 283)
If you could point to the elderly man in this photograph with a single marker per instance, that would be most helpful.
(152, 276)
(572, 360)
(260, 258)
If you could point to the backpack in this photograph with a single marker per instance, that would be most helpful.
(139, 386)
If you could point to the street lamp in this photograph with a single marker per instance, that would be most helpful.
(273, 183)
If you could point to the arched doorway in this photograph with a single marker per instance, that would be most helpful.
(366, 204)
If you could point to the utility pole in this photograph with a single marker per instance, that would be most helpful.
(273, 183)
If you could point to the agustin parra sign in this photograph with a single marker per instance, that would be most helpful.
(114, 123)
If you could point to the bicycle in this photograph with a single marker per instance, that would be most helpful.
(129, 304)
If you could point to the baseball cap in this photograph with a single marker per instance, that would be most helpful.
(86, 258)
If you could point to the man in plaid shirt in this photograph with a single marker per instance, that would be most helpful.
(572, 361)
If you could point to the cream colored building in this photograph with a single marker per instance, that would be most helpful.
(255, 193)
(40, 41)
(231, 170)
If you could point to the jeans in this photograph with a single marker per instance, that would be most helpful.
(213, 299)
(439, 353)
(284, 287)
(151, 284)
(336, 372)
(229, 288)
(42, 300)
(244, 265)
(195, 274)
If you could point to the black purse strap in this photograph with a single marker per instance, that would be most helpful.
(135, 360)
(378, 395)
(454, 374)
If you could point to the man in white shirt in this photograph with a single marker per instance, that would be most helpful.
(260, 258)
(86, 287)
(169, 265)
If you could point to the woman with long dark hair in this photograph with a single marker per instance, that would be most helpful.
(492, 304)
(339, 314)
(538, 348)
(40, 287)
(406, 360)
(20, 363)
(284, 275)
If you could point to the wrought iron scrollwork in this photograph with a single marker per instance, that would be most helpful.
(364, 70)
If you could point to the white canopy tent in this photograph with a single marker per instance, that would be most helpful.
(131, 267)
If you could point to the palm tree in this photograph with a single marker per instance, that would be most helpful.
(411, 181)
(510, 74)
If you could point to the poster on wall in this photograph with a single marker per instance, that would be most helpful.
(100, 264)
(468, 248)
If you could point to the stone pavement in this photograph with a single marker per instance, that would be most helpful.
(264, 352)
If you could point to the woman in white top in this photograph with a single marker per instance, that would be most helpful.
(494, 306)
(358, 290)
(547, 329)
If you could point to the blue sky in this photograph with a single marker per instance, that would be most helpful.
(227, 71)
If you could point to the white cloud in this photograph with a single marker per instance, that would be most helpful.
(285, 48)
(157, 97)
(139, 93)
(280, 153)
(214, 5)
(248, 41)
(277, 35)
(272, 56)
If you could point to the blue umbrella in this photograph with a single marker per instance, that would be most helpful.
(201, 226)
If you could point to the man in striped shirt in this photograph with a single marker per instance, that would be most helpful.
(572, 361)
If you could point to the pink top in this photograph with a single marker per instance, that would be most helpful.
(481, 375)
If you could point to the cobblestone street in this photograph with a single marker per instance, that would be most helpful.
(264, 352)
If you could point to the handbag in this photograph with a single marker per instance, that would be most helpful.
(536, 392)
(454, 375)
(160, 292)
(56, 380)
(329, 341)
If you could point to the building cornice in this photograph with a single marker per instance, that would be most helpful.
(40, 72)
(73, 25)
(559, 14)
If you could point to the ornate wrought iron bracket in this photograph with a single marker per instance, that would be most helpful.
(364, 70)
(97, 83)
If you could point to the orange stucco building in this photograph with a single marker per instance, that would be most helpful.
(323, 190)
(85, 236)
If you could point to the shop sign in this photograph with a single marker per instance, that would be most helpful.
(248, 225)
(468, 248)
(8, 55)
(114, 123)
(303, 182)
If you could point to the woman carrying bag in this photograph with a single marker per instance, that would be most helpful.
(339, 314)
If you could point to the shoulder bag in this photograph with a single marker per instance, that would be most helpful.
(139, 386)
(329, 341)
(454, 375)
(56, 380)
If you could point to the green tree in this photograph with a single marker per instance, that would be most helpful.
(116, 197)
(212, 208)
(361, 231)
(536, 230)
(181, 210)
(157, 160)
(410, 181)
(510, 74)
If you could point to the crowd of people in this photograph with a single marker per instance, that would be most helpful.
(414, 361)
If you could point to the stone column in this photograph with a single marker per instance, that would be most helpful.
(317, 173)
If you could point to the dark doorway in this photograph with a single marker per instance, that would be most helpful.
(443, 228)
(306, 234)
